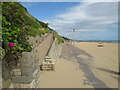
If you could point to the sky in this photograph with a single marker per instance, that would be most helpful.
(91, 20)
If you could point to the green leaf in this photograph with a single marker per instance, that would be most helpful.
(21, 48)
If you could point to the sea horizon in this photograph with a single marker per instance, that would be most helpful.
(103, 41)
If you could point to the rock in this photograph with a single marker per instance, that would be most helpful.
(16, 72)
(28, 63)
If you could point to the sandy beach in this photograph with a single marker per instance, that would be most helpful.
(105, 61)
(84, 65)
(66, 75)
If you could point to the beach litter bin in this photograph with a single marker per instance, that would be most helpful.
(47, 64)
(100, 44)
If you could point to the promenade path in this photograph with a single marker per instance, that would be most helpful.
(43, 48)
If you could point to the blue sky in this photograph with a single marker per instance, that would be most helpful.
(91, 20)
(47, 10)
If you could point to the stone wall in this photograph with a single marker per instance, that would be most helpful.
(35, 41)
(6, 76)
(55, 50)
(44, 47)
(0, 73)
(25, 72)
(27, 75)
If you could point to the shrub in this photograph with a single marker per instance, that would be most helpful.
(60, 40)
(14, 29)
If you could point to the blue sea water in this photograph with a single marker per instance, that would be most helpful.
(103, 41)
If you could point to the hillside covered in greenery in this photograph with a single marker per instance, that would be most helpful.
(17, 24)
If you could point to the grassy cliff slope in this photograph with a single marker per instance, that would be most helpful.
(17, 23)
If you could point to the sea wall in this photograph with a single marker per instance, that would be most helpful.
(25, 72)
(44, 47)
(27, 75)
(35, 41)
(55, 50)
(22, 73)
(0, 73)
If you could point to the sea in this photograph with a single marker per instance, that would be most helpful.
(102, 41)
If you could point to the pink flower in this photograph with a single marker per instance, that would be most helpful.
(11, 44)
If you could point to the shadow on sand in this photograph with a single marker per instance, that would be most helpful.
(72, 53)
(109, 71)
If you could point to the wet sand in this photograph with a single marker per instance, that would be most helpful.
(84, 65)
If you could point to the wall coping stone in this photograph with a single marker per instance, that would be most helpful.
(22, 79)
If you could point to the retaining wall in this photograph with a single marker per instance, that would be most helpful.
(0, 73)
(26, 72)
(44, 47)
(55, 50)
(35, 41)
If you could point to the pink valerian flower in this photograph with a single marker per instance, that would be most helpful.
(11, 44)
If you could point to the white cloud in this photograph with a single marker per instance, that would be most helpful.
(88, 17)
(60, 0)
(66, 0)
(27, 4)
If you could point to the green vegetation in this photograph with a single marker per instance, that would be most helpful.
(14, 28)
(17, 24)
(65, 38)
(60, 40)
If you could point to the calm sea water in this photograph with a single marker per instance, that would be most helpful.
(103, 41)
